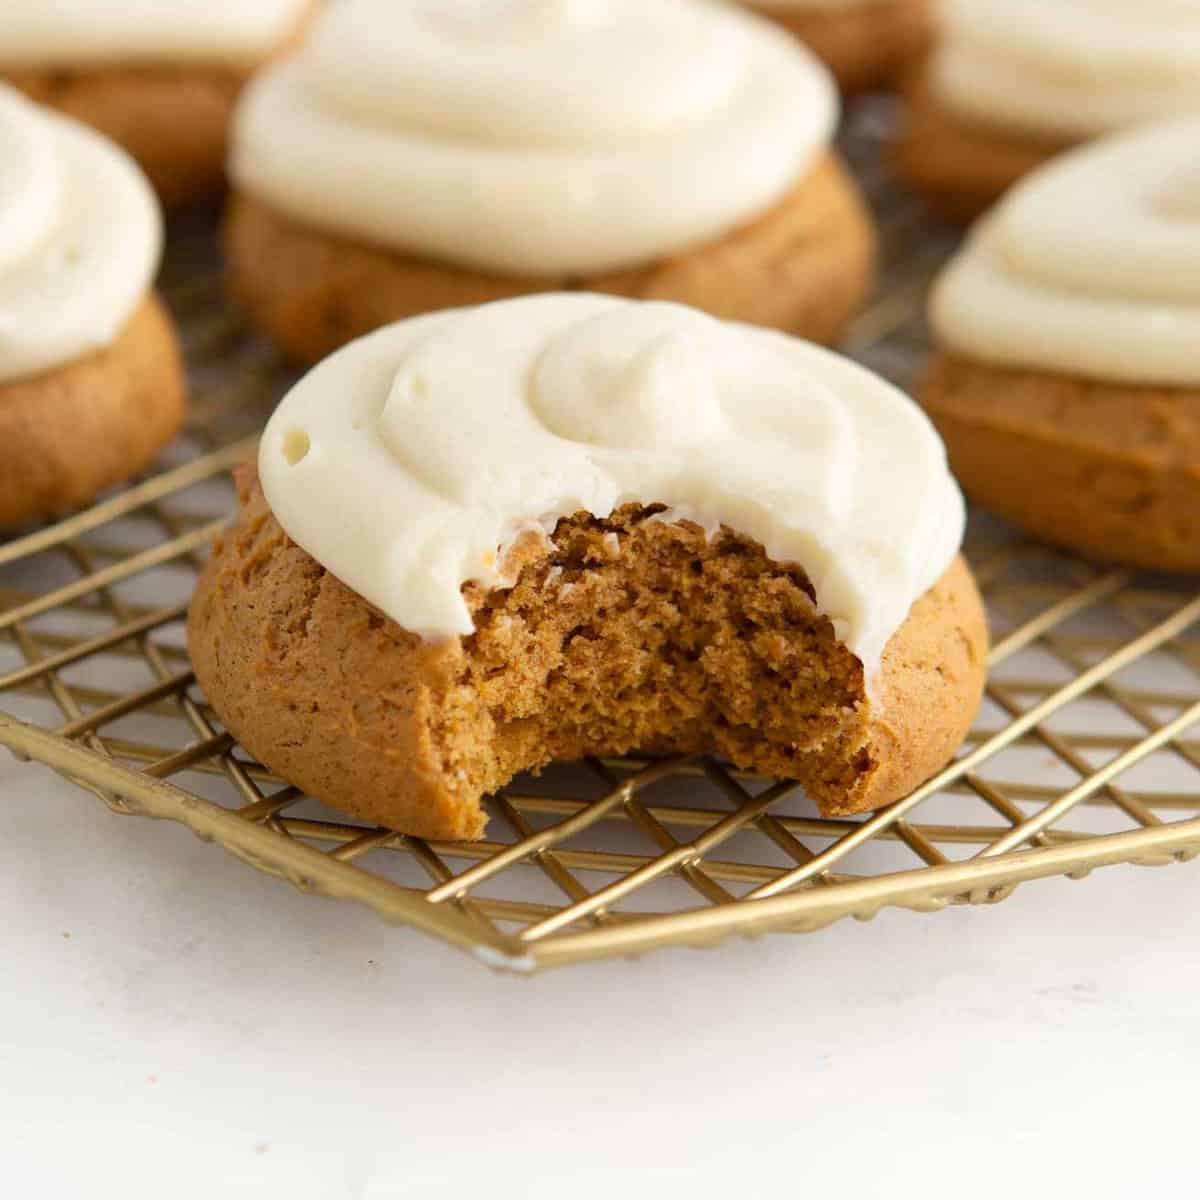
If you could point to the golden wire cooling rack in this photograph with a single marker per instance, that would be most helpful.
(1086, 753)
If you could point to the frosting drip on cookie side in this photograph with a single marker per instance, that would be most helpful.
(1089, 267)
(534, 137)
(75, 33)
(1070, 68)
(410, 460)
(80, 238)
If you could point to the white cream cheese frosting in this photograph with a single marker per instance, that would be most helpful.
(1090, 266)
(409, 460)
(534, 137)
(80, 238)
(1070, 68)
(50, 33)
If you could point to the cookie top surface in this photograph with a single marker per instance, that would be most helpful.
(1089, 267)
(80, 238)
(409, 461)
(1069, 68)
(534, 137)
(57, 33)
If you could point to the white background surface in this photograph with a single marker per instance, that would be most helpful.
(173, 1024)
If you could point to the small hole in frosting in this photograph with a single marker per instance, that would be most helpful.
(296, 445)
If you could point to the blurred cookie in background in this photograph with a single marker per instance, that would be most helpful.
(91, 380)
(1067, 383)
(159, 77)
(415, 157)
(865, 43)
(1011, 83)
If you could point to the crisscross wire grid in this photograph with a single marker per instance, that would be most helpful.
(1086, 753)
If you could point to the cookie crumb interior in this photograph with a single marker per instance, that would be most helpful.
(630, 632)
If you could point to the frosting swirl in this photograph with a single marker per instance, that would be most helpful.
(1070, 68)
(407, 461)
(534, 137)
(80, 238)
(44, 33)
(1115, 296)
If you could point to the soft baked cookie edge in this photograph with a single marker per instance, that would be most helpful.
(1109, 471)
(68, 433)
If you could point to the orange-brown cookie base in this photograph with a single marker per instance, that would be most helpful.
(961, 166)
(1109, 470)
(69, 433)
(866, 46)
(625, 633)
(804, 267)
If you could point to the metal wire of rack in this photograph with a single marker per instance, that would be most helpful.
(1086, 752)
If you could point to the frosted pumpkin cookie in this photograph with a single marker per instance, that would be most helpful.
(1014, 82)
(91, 382)
(484, 539)
(159, 77)
(865, 43)
(1068, 383)
(418, 156)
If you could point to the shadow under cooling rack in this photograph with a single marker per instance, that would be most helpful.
(1086, 752)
